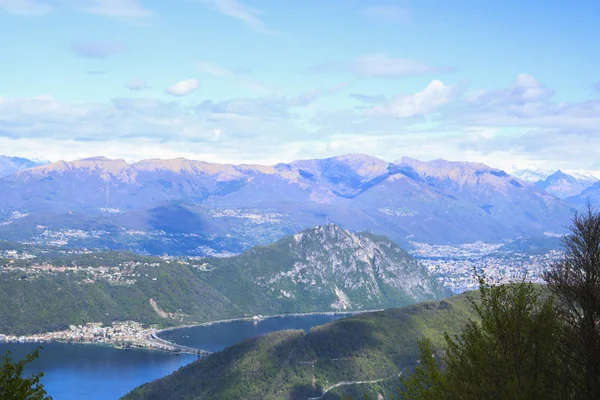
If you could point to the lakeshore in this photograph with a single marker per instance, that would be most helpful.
(121, 335)
(257, 318)
(73, 370)
(132, 334)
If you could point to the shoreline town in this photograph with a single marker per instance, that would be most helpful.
(132, 334)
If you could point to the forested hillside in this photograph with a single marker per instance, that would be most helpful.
(373, 347)
(321, 269)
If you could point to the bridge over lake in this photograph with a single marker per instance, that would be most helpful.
(170, 346)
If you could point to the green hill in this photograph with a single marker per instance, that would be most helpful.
(351, 356)
(321, 269)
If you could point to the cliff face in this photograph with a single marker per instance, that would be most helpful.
(329, 267)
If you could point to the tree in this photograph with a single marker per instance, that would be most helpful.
(13, 386)
(575, 281)
(428, 381)
(511, 353)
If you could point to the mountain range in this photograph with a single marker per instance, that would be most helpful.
(182, 206)
(319, 269)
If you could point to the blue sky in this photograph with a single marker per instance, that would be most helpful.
(505, 83)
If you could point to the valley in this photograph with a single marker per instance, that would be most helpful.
(161, 244)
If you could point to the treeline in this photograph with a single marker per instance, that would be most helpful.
(529, 343)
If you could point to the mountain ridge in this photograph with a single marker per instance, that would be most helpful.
(565, 185)
(10, 165)
(438, 201)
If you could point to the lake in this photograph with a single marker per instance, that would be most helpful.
(93, 372)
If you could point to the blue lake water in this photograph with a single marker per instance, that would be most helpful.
(218, 336)
(91, 372)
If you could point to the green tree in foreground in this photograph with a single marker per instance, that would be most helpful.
(13, 386)
(511, 353)
(575, 282)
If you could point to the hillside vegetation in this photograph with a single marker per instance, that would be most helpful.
(372, 347)
(321, 269)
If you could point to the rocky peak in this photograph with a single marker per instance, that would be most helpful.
(559, 175)
(323, 233)
(355, 270)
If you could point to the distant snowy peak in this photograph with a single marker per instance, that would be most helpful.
(540, 174)
(564, 185)
(592, 176)
(531, 175)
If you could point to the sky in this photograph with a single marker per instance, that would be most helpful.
(507, 83)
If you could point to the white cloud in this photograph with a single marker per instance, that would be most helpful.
(25, 7)
(310, 96)
(207, 67)
(95, 49)
(126, 9)
(379, 66)
(529, 88)
(382, 65)
(525, 89)
(520, 124)
(115, 8)
(47, 117)
(435, 95)
(236, 9)
(183, 88)
(527, 104)
(137, 85)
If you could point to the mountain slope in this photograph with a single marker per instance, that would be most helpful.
(324, 268)
(591, 194)
(437, 201)
(564, 185)
(11, 165)
(373, 347)
(321, 269)
(438, 197)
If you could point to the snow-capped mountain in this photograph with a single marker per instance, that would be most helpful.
(532, 175)
(563, 185)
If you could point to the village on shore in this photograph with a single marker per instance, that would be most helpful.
(120, 334)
